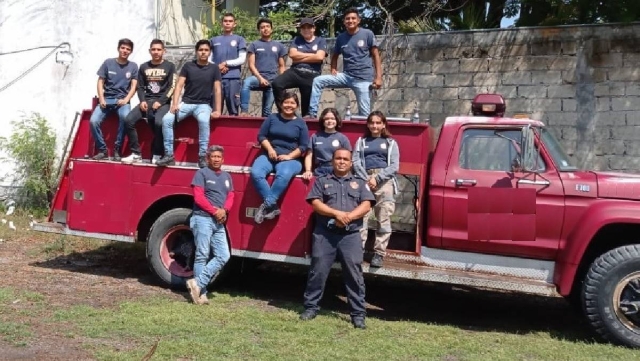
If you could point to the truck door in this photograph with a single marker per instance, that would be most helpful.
(492, 207)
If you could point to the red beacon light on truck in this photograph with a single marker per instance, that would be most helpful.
(490, 105)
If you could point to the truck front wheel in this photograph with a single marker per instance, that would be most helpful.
(611, 295)
(170, 247)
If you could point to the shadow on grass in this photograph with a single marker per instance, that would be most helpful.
(282, 286)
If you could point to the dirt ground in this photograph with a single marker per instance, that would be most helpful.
(103, 274)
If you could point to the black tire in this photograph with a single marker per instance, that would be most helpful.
(614, 280)
(168, 222)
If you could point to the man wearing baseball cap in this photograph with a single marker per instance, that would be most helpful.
(307, 52)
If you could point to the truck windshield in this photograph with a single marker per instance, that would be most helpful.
(560, 158)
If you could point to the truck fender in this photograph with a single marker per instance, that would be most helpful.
(573, 248)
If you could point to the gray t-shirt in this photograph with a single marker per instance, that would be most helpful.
(216, 185)
(311, 47)
(117, 77)
(267, 54)
(356, 53)
(323, 145)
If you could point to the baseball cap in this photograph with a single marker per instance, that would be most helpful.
(307, 21)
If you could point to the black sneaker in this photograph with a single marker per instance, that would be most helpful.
(101, 156)
(202, 162)
(376, 261)
(259, 216)
(307, 315)
(272, 212)
(358, 322)
(166, 160)
(116, 155)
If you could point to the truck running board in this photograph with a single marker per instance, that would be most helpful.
(403, 268)
(51, 227)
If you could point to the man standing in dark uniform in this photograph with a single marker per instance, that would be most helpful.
(340, 200)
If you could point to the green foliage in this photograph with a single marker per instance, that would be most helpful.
(32, 146)
(284, 25)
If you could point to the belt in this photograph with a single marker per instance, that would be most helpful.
(305, 70)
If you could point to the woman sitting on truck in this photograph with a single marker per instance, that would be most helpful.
(323, 143)
(377, 159)
(284, 138)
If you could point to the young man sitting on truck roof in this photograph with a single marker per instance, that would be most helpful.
(117, 80)
(157, 78)
(307, 52)
(361, 65)
(200, 80)
(213, 198)
(266, 61)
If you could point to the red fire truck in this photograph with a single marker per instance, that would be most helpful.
(494, 203)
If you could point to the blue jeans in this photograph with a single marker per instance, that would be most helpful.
(202, 113)
(342, 80)
(252, 83)
(97, 117)
(210, 237)
(285, 171)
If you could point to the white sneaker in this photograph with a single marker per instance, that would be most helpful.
(133, 158)
(155, 159)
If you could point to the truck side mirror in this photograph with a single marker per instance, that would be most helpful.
(528, 154)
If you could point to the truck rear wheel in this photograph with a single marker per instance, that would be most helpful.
(170, 247)
(611, 295)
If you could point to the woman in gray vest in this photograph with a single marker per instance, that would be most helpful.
(377, 159)
(323, 143)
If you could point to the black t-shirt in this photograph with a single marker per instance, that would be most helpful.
(198, 88)
(156, 81)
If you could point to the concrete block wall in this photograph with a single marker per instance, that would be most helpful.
(582, 81)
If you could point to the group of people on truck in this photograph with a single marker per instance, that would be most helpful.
(352, 182)
(213, 81)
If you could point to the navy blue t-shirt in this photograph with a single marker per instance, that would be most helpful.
(225, 48)
(356, 53)
(117, 77)
(285, 135)
(198, 88)
(323, 145)
(267, 54)
(376, 152)
(216, 185)
(312, 47)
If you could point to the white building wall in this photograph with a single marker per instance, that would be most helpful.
(57, 92)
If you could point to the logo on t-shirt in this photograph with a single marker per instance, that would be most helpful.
(211, 181)
(383, 145)
(234, 43)
(360, 43)
(128, 74)
(335, 143)
(314, 47)
(354, 185)
(226, 183)
(154, 87)
(274, 49)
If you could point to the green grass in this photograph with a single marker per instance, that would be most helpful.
(15, 310)
(238, 328)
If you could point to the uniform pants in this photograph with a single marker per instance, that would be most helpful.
(383, 210)
(326, 247)
(231, 95)
(295, 78)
